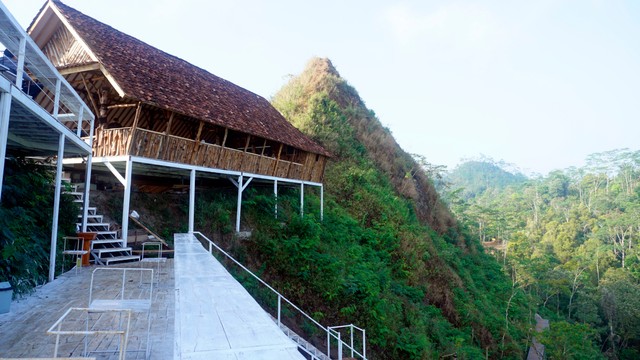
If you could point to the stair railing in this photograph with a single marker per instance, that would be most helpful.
(332, 332)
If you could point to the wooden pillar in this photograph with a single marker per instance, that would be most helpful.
(136, 119)
(196, 146)
(56, 210)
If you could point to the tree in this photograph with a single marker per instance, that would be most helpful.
(567, 341)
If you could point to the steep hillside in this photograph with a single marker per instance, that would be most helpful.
(323, 105)
(388, 255)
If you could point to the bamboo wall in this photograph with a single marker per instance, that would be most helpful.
(156, 145)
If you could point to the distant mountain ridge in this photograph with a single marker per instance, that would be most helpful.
(477, 176)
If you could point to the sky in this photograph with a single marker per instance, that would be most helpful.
(539, 84)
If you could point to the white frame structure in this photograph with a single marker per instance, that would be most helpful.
(19, 108)
(239, 179)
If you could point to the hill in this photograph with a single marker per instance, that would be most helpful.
(477, 176)
(389, 255)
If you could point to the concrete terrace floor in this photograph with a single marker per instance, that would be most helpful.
(198, 312)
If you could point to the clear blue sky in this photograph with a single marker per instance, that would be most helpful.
(540, 84)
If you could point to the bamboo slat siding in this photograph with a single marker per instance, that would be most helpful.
(63, 49)
(155, 145)
(112, 142)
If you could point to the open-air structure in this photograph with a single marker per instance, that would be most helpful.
(92, 98)
(159, 117)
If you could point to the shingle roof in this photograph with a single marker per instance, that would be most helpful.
(156, 77)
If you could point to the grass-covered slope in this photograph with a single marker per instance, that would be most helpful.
(388, 255)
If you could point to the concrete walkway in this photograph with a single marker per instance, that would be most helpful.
(216, 318)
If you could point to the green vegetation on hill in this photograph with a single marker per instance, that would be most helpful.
(570, 242)
(25, 223)
(388, 256)
(475, 177)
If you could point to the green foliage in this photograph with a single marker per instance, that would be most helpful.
(373, 260)
(568, 341)
(25, 223)
(571, 239)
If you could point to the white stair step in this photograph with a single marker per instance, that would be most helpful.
(90, 210)
(92, 227)
(92, 218)
(107, 261)
(110, 250)
(105, 241)
(106, 234)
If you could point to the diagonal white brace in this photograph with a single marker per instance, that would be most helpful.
(115, 173)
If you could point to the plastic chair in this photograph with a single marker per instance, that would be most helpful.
(76, 250)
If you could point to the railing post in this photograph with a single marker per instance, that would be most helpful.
(210, 248)
(329, 343)
(339, 346)
(279, 308)
(364, 343)
(351, 327)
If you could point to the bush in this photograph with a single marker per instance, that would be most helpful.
(25, 223)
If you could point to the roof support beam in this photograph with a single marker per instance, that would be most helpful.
(80, 69)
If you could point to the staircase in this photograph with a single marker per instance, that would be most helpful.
(106, 249)
(303, 345)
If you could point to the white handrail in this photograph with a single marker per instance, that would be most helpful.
(329, 330)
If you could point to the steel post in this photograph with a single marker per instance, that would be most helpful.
(56, 210)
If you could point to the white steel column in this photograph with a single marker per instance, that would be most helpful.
(239, 206)
(321, 202)
(87, 181)
(5, 111)
(79, 129)
(20, 67)
(275, 195)
(241, 185)
(302, 199)
(56, 210)
(126, 202)
(56, 99)
(192, 200)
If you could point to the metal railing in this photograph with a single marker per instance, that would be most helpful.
(332, 332)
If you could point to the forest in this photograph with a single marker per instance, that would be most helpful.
(568, 240)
